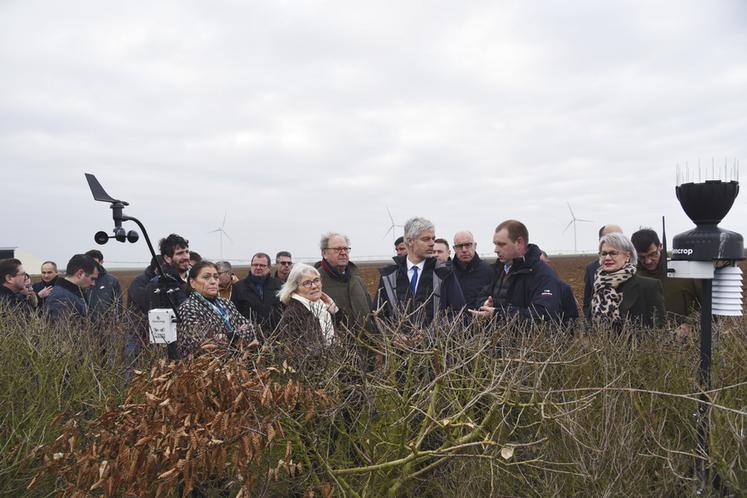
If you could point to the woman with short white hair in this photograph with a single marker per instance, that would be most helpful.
(620, 294)
(307, 326)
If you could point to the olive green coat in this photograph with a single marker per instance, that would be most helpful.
(349, 294)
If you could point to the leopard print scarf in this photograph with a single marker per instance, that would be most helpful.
(605, 303)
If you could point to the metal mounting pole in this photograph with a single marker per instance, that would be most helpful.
(704, 409)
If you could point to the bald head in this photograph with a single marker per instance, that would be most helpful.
(607, 229)
(464, 246)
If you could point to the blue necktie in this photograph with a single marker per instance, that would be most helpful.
(414, 280)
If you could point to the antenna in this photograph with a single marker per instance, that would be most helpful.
(222, 232)
(573, 222)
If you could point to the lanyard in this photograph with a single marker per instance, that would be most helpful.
(219, 310)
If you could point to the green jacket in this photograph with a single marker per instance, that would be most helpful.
(349, 293)
(682, 296)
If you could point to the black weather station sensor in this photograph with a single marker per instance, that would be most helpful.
(709, 253)
(706, 204)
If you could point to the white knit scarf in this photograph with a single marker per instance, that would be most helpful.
(320, 311)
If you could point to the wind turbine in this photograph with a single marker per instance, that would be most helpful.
(392, 226)
(222, 233)
(573, 222)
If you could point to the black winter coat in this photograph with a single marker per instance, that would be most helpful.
(262, 310)
(39, 286)
(301, 340)
(534, 289)
(137, 299)
(473, 279)
(13, 300)
(589, 272)
(167, 290)
(643, 301)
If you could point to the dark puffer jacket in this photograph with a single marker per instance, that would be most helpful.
(534, 290)
(438, 290)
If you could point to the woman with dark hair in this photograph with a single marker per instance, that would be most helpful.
(204, 315)
(620, 294)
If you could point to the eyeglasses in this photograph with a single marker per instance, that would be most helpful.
(284, 263)
(340, 250)
(466, 245)
(604, 254)
(649, 255)
(310, 283)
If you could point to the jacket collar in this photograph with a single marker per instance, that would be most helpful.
(525, 263)
(334, 272)
(471, 264)
(69, 286)
(401, 261)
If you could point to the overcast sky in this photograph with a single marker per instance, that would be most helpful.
(303, 117)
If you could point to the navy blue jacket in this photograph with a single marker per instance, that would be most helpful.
(66, 299)
(398, 299)
(534, 291)
(473, 278)
(106, 295)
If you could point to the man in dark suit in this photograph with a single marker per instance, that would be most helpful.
(418, 287)
(256, 297)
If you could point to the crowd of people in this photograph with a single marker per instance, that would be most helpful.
(308, 307)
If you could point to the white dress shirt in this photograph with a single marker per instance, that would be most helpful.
(410, 266)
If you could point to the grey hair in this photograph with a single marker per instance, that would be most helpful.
(323, 244)
(621, 242)
(224, 266)
(414, 226)
(294, 279)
